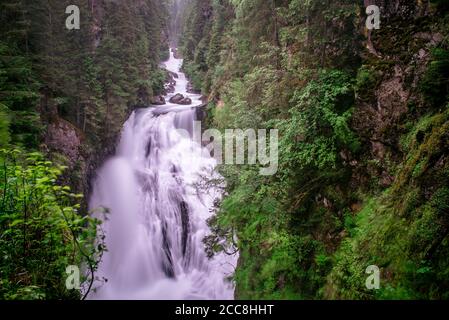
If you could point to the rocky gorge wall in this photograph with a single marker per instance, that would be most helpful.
(390, 78)
(401, 116)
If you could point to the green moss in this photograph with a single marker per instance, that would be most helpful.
(404, 231)
(437, 127)
(419, 168)
(416, 133)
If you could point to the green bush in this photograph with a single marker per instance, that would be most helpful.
(42, 231)
(318, 128)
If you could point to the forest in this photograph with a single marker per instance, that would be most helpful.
(362, 116)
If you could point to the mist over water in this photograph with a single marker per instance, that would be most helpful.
(157, 214)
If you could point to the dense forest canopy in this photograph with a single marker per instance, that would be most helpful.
(362, 115)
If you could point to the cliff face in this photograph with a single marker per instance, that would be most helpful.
(65, 144)
(391, 77)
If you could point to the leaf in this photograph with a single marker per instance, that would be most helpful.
(16, 222)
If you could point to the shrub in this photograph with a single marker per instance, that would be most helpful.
(42, 232)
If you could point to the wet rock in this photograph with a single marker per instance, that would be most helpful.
(167, 263)
(64, 144)
(170, 82)
(158, 100)
(186, 101)
(63, 137)
(386, 180)
(176, 53)
(176, 98)
(180, 99)
(172, 75)
(185, 225)
(169, 87)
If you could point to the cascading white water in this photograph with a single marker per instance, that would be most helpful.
(157, 217)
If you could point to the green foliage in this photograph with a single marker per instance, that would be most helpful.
(195, 39)
(367, 80)
(252, 101)
(290, 263)
(262, 82)
(435, 83)
(4, 126)
(269, 255)
(195, 75)
(19, 121)
(42, 231)
(318, 128)
(311, 230)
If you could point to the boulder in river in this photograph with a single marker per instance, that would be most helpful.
(185, 101)
(176, 98)
(180, 99)
(172, 75)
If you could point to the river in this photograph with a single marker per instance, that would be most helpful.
(157, 214)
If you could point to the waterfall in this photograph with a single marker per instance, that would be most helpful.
(156, 219)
